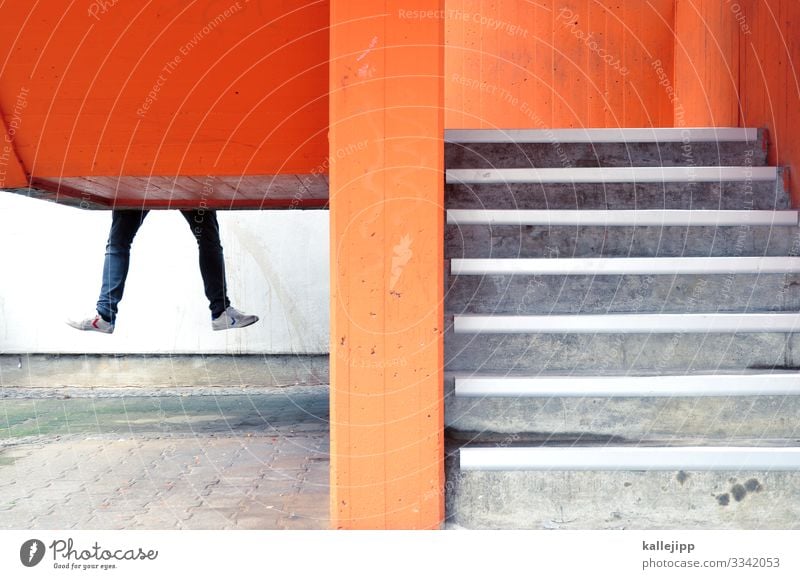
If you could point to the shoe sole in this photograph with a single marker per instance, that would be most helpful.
(235, 327)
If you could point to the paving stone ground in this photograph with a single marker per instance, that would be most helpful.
(254, 461)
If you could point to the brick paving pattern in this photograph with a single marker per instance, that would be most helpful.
(243, 477)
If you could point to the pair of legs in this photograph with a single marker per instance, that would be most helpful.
(125, 224)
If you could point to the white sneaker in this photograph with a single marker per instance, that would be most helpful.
(95, 324)
(232, 318)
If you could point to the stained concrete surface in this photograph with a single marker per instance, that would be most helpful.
(164, 459)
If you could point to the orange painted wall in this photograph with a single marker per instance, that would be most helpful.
(558, 63)
(239, 87)
(706, 64)
(770, 78)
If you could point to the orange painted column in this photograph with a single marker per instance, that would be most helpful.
(387, 219)
(706, 64)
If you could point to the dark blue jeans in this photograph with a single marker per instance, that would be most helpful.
(124, 225)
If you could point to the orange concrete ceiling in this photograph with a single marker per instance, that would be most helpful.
(140, 104)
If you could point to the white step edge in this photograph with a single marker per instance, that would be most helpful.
(599, 136)
(629, 323)
(697, 458)
(622, 218)
(772, 384)
(626, 266)
(613, 175)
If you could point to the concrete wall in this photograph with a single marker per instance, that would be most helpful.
(51, 260)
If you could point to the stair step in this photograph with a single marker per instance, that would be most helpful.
(626, 266)
(714, 413)
(514, 241)
(657, 500)
(558, 154)
(725, 195)
(612, 175)
(607, 458)
(611, 135)
(619, 353)
(623, 218)
(762, 384)
(630, 323)
(618, 289)
(603, 294)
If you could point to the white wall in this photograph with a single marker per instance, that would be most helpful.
(51, 261)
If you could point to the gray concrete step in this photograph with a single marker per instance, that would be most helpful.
(604, 354)
(510, 155)
(514, 241)
(601, 149)
(764, 195)
(589, 294)
(740, 499)
(593, 418)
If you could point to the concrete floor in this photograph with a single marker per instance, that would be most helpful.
(159, 459)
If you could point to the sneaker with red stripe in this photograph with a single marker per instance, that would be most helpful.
(95, 324)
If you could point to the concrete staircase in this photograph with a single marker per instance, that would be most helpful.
(621, 311)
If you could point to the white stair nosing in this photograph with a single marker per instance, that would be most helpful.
(695, 458)
(625, 266)
(628, 323)
(612, 175)
(772, 384)
(600, 136)
(622, 217)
